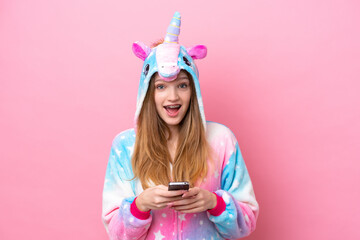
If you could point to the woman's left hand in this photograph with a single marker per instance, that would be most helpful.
(195, 200)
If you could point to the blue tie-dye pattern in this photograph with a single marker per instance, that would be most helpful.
(121, 149)
(229, 225)
(153, 68)
(120, 190)
(236, 162)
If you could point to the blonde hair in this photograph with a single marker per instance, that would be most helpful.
(151, 158)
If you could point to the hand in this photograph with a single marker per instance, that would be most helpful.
(195, 200)
(157, 197)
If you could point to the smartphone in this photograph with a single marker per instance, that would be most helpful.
(173, 186)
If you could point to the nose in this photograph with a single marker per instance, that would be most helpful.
(173, 94)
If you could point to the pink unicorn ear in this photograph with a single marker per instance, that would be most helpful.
(141, 50)
(197, 51)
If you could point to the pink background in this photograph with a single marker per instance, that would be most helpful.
(283, 75)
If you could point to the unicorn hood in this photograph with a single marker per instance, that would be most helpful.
(168, 59)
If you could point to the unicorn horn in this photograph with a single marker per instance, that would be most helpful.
(173, 31)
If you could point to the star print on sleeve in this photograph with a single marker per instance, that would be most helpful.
(182, 217)
(131, 149)
(158, 235)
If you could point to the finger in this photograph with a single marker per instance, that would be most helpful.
(163, 191)
(188, 206)
(162, 202)
(169, 199)
(193, 210)
(192, 192)
(174, 199)
(183, 202)
(173, 193)
(184, 207)
(162, 187)
(159, 206)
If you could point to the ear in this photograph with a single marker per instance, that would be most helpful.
(197, 51)
(141, 50)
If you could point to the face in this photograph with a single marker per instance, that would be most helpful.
(172, 98)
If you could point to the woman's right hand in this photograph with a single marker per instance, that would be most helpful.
(157, 197)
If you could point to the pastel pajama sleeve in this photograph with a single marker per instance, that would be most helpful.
(118, 195)
(239, 218)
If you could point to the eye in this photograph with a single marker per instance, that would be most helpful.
(183, 85)
(159, 86)
(187, 62)
(146, 69)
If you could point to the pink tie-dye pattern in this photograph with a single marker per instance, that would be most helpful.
(121, 229)
(166, 223)
(117, 229)
(251, 224)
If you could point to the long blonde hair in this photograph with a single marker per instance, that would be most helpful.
(151, 158)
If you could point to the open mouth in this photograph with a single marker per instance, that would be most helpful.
(172, 110)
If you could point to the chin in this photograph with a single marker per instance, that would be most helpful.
(172, 123)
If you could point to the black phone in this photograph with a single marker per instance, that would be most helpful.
(174, 186)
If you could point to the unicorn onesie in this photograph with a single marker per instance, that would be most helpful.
(236, 211)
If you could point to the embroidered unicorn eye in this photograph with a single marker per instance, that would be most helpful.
(187, 62)
(146, 69)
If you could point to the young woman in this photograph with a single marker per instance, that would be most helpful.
(172, 142)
